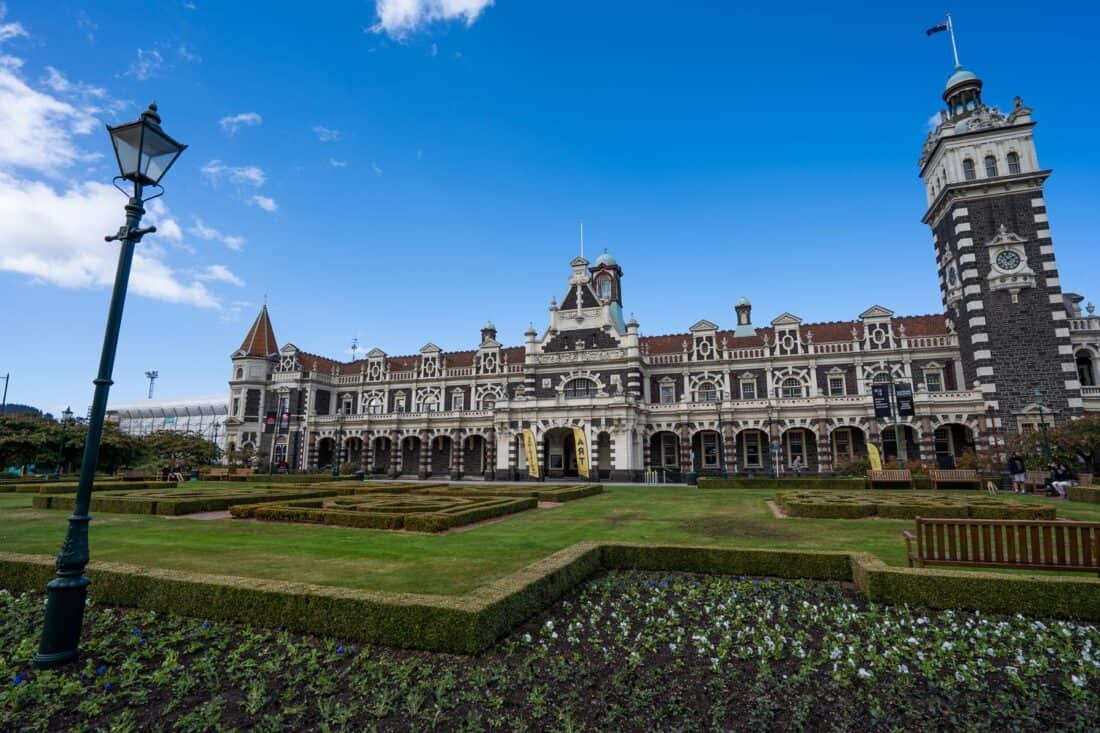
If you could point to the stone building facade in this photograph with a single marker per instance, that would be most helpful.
(1011, 350)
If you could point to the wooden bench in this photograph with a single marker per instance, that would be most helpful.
(1084, 479)
(129, 475)
(1003, 543)
(889, 477)
(244, 471)
(217, 474)
(954, 476)
(1035, 479)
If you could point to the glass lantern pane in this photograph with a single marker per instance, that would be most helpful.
(157, 154)
(127, 142)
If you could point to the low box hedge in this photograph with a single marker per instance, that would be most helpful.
(176, 502)
(471, 623)
(1088, 494)
(908, 506)
(807, 482)
(69, 487)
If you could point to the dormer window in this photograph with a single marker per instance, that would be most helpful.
(969, 172)
(1013, 162)
(603, 288)
(579, 388)
(990, 167)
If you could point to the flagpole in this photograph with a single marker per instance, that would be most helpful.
(954, 48)
(582, 239)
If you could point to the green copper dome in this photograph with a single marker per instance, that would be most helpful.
(606, 259)
(960, 76)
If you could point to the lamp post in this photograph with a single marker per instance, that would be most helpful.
(338, 451)
(65, 417)
(144, 153)
(1043, 426)
(4, 401)
(721, 435)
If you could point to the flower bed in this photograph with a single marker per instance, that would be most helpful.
(375, 510)
(907, 505)
(174, 502)
(629, 651)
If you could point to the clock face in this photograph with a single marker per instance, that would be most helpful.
(1008, 260)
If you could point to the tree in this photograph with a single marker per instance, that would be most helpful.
(1081, 438)
(176, 448)
(28, 439)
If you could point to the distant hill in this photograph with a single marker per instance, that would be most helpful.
(14, 408)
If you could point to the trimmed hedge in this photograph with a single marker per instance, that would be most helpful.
(1089, 494)
(782, 483)
(471, 623)
(412, 512)
(68, 487)
(908, 506)
(176, 502)
(542, 492)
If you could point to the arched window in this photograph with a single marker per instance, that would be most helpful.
(1013, 162)
(374, 407)
(579, 387)
(1085, 371)
(240, 373)
(881, 378)
(791, 387)
(488, 402)
(990, 167)
(968, 170)
(603, 287)
(708, 392)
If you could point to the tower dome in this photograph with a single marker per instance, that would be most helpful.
(605, 259)
(963, 93)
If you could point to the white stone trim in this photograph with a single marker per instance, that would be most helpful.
(966, 242)
(1066, 349)
(983, 354)
(961, 227)
(979, 338)
(1037, 202)
(960, 212)
(975, 305)
(1062, 333)
(1076, 402)
(1042, 234)
(977, 321)
(1041, 219)
(984, 371)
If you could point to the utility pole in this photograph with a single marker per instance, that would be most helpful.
(152, 377)
(4, 403)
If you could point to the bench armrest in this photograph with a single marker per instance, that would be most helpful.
(910, 538)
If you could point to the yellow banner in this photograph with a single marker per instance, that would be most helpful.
(581, 442)
(876, 459)
(530, 450)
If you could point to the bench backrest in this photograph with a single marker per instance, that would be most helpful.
(1036, 477)
(894, 475)
(1084, 479)
(954, 474)
(1009, 543)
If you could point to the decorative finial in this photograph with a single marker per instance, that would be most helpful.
(265, 300)
(1090, 308)
(151, 113)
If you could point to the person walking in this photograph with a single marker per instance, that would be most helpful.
(1018, 470)
(797, 466)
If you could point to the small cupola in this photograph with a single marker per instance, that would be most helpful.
(744, 318)
(963, 93)
(606, 278)
(488, 332)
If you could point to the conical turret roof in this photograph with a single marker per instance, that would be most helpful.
(260, 340)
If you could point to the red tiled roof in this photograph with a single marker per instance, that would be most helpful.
(825, 332)
(260, 340)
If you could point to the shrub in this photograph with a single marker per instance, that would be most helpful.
(809, 482)
(907, 506)
(853, 467)
(1090, 494)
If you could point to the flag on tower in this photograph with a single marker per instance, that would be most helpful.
(936, 29)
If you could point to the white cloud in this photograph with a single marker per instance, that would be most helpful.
(56, 237)
(59, 83)
(374, 167)
(215, 171)
(934, 121)
(232, 123)
(265, 203)
(337, 163)
(167, 227)
(38, 127)
(187, 54)
(145, 66)
(399, 18)
(433, 50)
(10, 30)
(210, 234)
(220, 273)
(327, 134)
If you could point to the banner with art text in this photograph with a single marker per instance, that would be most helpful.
(581, 441)
(531, 452)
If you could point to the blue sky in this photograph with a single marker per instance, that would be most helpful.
(401, 171)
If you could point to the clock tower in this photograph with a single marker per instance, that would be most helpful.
(998, 275)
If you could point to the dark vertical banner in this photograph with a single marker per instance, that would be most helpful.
(284, 422)
(880, 396)
(903, 395)
(269, 422)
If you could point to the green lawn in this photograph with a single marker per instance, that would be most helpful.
(458, 562)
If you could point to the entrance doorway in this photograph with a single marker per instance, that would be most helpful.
(560, 451)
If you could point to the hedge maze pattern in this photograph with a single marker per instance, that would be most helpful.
(819, 505)
(419, 512)
(174, 502)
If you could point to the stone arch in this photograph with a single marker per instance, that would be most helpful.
(326, 452)
(951, 440)
(439, 462)
(474, 454)
(410, 454)
(848, 442)
(799, 442)
(1086, 367)
(706, 451)
(382, 454)
(752, 443)
(602, 459)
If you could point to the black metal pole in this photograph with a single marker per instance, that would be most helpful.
(61, 448)
(4, 401)
(67, 593)
(721, 438)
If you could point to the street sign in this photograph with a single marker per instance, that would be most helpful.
(880, 397)
(903, 395)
